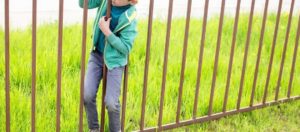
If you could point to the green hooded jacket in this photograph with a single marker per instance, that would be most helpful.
(119, 43)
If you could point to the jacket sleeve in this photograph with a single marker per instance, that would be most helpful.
(91, 3)
(123, 43)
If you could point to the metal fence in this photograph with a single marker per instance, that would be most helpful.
(160, 126)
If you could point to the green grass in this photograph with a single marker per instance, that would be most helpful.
(20, 72)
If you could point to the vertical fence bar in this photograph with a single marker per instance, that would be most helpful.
(294, 60)
(102, 122)
(7, 76)
(262, 32)
(59, 65)
(200, 59)
(103, 97)
(165, 64)
(186, 37)
(84, 31)
(33, 81)
(245, 55)
(150, 20)
(236, 22)
(272, 52)
(284, 49)
(108, 10)
(125, 86)
(216, 58)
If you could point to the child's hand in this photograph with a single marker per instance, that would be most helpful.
(104, 26)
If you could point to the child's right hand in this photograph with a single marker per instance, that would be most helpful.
(104, 26)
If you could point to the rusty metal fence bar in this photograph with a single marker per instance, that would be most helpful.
(245, 55)
(165, 63)
(124, 97)
(236, 22)
(259, 51)
(284, 49)
(202, 43)
(84, 31)
(294, 60)
(216, 58)
(7, 75)
(187, 28)
(59, 64)
(104, 71)
(149, 33)
(272, 52)
(33, 81)
(178, 123)
(102, 119)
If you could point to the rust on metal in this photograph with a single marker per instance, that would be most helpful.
(236, 22)
(150, 20)
(294, 60)
(165, 63)
(200, 58)
(33, 81)
(104, 71)
(216, 58)
(186, 37)
(262, 32)
(272, 52)
(84, 31)
(245, 55)
(7, 75)
(125, 86)
(59, 65)
(284, 49)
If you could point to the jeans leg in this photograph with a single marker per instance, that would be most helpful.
(91, 83)
(113, 89)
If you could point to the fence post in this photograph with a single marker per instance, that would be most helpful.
(284, 49)
(294, 60)
(186, 36)
(108, 10)
(245, 56)
(33, 81)
(59, 65)
(165, 64)
(272, 52)
(236, 23)
(262, 32)
(84, 31)
(7, 77)
(200, 58)
(150, 20)
(216, 58)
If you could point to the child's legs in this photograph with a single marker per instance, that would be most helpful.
(92, 79)
(113, 89)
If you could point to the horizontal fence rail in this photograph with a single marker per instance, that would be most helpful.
(160, 126)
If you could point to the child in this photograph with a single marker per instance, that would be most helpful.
(112, 42)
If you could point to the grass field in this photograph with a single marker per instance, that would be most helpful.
(20, 74)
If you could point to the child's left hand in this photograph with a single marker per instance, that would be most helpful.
(104, 26)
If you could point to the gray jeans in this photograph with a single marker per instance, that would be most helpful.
(93, 77)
